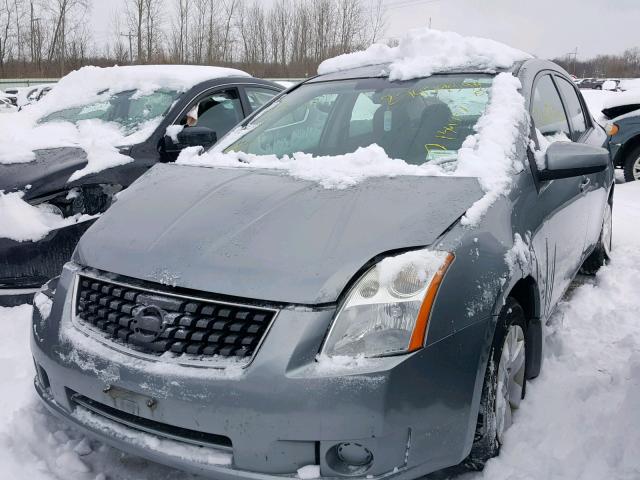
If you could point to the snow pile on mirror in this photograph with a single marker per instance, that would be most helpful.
(491, 154)
(21, 221)
(422, 52)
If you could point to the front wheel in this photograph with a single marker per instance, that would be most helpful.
(504, 385)
(602, 253)
(631, 166)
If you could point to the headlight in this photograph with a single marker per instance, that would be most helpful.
(386, 312)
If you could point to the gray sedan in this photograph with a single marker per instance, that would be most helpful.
(245, 324)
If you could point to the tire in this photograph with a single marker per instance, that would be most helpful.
(631, 166)
(602, 253)
(495, 414)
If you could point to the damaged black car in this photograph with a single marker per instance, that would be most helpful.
(93, 136)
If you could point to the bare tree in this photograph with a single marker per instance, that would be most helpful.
(229, 7)
(153, 22)
(5, 24)
(135, 12)
(66, 15)
(351, 26)
(179, 40)
(377, 20)
(282, 37)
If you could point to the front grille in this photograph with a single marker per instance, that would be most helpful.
(156, 322)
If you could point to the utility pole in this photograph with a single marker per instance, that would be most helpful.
(130, 35)
(574, 54)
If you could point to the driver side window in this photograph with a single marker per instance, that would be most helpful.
(547, 111)
(219, 111)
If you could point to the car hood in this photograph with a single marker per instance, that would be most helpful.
(263, 235)
(49, 171)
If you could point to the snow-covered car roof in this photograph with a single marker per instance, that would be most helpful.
(86, 84)
(423, 52)
(619, 104)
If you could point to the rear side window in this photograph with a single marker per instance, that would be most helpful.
(547, 110)
(364, 110)
(298, 130)
(259, 96)
(574, 108)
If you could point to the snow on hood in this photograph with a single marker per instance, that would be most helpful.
(618, 99)
(422, 52)
(489, 154)
(22, 135)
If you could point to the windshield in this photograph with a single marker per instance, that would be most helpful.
(127, 109)
(417, 121)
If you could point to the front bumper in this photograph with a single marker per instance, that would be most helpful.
(26, 266)
(413, 414)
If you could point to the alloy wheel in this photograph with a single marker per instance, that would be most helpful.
(635, 170)
(511, 378)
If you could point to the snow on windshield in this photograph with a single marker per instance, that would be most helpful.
(422, 52)
(488, 154)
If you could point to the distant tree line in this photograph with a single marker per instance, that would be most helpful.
(626, 65)
(41, 38)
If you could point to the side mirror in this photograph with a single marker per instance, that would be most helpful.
(568, 159)
(191, 137)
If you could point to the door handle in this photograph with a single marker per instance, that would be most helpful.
(586, 181)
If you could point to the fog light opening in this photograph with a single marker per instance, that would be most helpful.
(349, 458)
(42, 377)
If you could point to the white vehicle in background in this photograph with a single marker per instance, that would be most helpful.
(6, 105)
(21, 96)
(33, 94)
(11, 94)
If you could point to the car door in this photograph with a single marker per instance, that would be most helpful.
(560, 208)
(584, 131)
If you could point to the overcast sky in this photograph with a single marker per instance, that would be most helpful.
(546, 28)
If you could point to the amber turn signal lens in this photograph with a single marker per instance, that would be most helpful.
(612, 129)
(422, 322)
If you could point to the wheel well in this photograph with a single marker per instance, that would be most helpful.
(610, 200)
(526, 293)
(628, 146)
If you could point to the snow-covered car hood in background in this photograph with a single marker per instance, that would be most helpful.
(49, 172)
(263, 235)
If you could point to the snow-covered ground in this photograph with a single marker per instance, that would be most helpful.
(580, 419)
